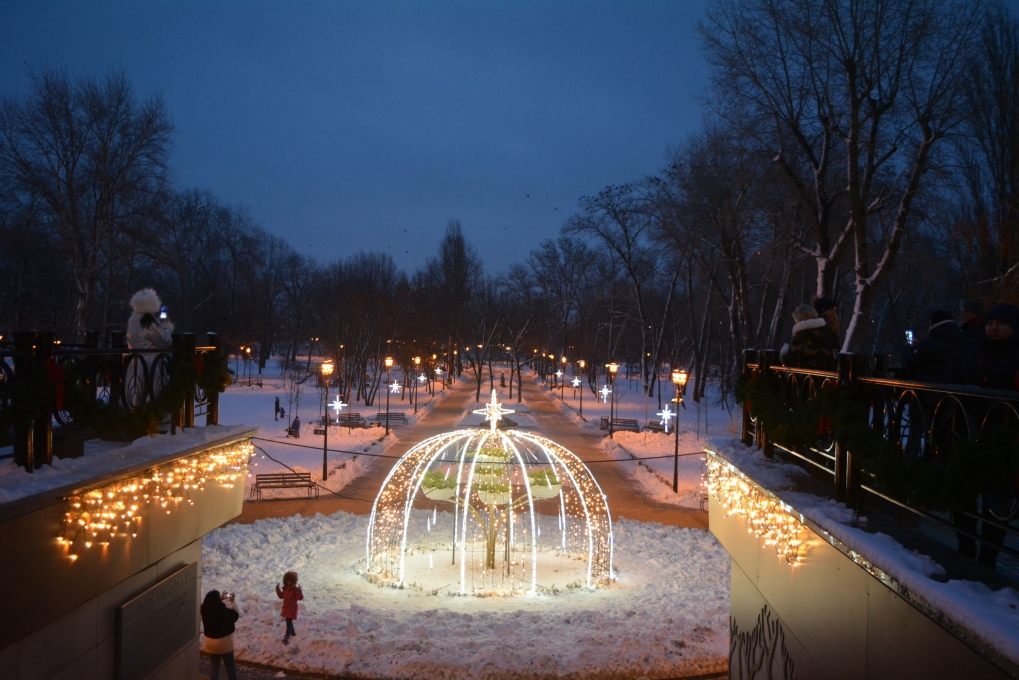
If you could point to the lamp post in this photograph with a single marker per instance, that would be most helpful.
(562, 381)
(679, 380)
(247, 363)
(417, 367)
(327, 370)
(582, 364)
(613, 367)
(389, 366)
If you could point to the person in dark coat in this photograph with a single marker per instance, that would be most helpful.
(809, 347)
(991, 362)
(218, 621)
(971, 318)
(927, 360)
(831, 333)
(296, 427)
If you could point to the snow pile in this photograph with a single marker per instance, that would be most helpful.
(102, 458)
(666, 616)
(656, 473)
(993, 616)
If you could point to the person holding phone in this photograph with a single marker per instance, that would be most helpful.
(927, 360)
(149, 326)
(218, 618)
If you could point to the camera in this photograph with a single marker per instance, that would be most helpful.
(162, 313)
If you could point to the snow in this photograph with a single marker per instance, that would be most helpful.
(666, 615)
(102, 458)
(992, 616)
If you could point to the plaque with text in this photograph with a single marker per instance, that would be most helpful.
(157, 624)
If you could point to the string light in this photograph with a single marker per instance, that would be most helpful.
(101, 515)
(767, 517)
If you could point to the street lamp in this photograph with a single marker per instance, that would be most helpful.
(389, 366)
(327, 370)
(679, 380)
(562, 383)
(613, 367)
(582, 364)
(417, 366)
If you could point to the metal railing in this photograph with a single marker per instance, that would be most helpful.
(118, 376)
(923, 420)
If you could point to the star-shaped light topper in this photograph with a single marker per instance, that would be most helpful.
(576, 383)
(666, 415)
(558, 374)
(422, 377)
(337, 405)
(394, 387)
(605, 392)
(493, 411)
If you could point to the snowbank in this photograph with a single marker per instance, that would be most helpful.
(667, 615)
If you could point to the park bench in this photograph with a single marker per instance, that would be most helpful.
(393, 416)
(654, 426)
(351, 420)
(630, 424)
(283, 480)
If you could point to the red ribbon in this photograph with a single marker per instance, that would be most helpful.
(56, 376)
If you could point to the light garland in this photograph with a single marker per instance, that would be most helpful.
(768, 517)
(100, 515)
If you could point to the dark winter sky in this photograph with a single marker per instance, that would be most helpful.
(345, 126)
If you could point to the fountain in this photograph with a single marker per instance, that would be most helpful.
(520, 514)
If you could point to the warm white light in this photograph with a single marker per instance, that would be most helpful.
(493, 411)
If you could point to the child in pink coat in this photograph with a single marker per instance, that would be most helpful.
(290, 594)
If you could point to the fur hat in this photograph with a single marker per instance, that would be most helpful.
(146, 301)
(1006, 314)
(939, 316)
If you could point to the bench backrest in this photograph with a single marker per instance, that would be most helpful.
(284, 477)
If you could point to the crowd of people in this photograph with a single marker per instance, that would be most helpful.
(981, 349)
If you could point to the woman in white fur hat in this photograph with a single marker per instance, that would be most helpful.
(148, 327)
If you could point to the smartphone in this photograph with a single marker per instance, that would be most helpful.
(162, 313)
(909, 337)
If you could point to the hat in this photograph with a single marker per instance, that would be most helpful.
(823, 304)
(974, 306)
(939, 316)
(1006, 314)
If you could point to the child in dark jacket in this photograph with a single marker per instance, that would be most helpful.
(809, 349)
(290, 594)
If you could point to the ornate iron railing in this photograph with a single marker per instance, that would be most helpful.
(923, 420)
(117, 376)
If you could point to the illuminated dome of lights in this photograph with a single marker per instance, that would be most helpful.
(490, 512)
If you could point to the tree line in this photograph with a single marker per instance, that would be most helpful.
(861, 150)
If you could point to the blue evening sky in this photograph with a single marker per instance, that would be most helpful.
(345, 126)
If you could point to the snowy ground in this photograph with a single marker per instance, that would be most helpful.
(655, 449)
(666, 615)
(241, 403)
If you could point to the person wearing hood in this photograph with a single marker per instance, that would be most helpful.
(971, 318)
(809, 347)
(218, 618)
(148, 327)
(928, 360)
(991, 361)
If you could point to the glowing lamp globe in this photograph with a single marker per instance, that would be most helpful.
(490, 511)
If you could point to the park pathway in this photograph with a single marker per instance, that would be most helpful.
(359, 494)
(626, 497)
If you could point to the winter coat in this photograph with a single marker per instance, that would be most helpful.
(985, 363)
(974, 330)
(928, 360)
(218, 622)
(810, 348)
(144, 329)
(290, 596)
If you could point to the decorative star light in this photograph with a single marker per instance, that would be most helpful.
(558, 374)
(394, 387)
(493, 411)
(576, 383)
(338, 405)
(422, 377)
(665, 414)
(605, 392)
(438, 371)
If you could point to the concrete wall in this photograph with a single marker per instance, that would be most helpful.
(80, 644)
(828, 618)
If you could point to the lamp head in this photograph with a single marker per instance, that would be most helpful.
(389, 362)
(417, 360)
(327, 368)
(613, 367)
(582, 363)
(564, 359)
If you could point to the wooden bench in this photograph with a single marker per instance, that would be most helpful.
(654, 426)
(394, 417)
(351, 420)
(621, 424)
(283, 480)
